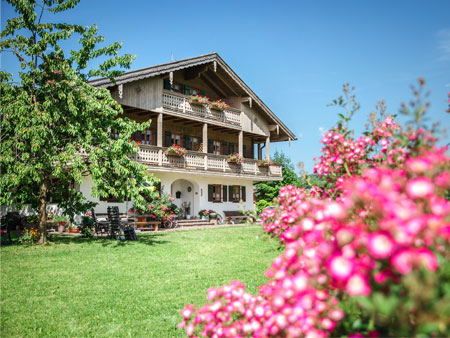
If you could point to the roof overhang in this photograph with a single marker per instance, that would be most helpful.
(239, 86)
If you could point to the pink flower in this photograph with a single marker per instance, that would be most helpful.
(357, 285)
(339, 267)
(380, 245)
(420, 187)
(428, 259)
(402, 261)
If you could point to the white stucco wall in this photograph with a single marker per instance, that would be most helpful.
(198, 197)
(86, 188)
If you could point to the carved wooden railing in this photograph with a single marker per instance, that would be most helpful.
(180, 103)
(156, 156)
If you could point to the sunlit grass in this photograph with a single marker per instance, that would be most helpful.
(81, 288)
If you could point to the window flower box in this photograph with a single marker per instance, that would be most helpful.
(176, 150)
(235, 158)
(265, 163)
(218, 105)
(198, 100)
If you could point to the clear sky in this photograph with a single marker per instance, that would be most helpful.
(295, 55)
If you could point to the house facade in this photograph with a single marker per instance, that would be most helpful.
(203, 178)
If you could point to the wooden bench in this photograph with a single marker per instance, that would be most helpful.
(144, 226)
(232, 216)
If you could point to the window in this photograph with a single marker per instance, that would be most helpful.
(148, 137)
(215, 193)
(217, 147)
(235, 195)
(176, 139)
(115, 134)
(232, 147)
(195, 143)
(177, 87)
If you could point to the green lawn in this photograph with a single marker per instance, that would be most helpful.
(77, 287)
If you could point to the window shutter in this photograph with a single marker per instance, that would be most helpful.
(210, 192)
(243, 197)
(167, 84)
(225, 148)
(168, 139)
(230, 193)
(187, 142)
(224, 195)
(244, 148)
(187, 90)
(210, 146)
(153, 137)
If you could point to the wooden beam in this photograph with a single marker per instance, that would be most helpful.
(209, 83)
(226, 84)
(194, 72)
(216, 79)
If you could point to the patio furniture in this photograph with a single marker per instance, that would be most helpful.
(100, 227)
(5, 231)
(116, 229)
(232, 216)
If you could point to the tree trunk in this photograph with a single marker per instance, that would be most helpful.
(43, 213)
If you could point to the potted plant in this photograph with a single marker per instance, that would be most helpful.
(198, 100)
(265, 163)
(176, 150)
(73, 228)
(235, 158)
(218, 105)
(61, 221)
(213, 217)
(204, 213)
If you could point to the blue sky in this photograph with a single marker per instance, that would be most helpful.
(295, 55)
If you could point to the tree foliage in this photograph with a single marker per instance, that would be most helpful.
(56, 128)
(266, 192)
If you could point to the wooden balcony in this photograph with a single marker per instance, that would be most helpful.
(179, 104)
(217, 165)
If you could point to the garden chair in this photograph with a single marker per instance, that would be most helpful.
(114, 222)
(99, 226)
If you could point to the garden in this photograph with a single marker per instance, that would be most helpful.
(81, 287)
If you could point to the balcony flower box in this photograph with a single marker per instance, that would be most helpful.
(198, 100)
(235, 158)
(218, 105)
(176, 150)
(265, 163)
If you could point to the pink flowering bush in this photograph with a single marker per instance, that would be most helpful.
(369, 258)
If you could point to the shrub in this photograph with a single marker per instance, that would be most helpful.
(367, 253)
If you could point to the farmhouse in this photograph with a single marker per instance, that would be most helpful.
(233, 121)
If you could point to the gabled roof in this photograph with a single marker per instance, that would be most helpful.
(173, 66)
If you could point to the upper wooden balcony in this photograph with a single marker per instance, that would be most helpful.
(178, 104)
(197, 162)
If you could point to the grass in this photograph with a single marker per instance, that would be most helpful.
(75, 287)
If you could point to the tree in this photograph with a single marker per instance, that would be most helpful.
(56, 128)
(267, 191)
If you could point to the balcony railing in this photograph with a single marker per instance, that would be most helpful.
(155, 156)
(180, 103)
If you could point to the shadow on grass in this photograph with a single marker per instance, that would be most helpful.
(146, 239)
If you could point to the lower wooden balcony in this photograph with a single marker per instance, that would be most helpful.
(197, 162)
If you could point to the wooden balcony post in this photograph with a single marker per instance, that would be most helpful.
(268, 147)
(205, 137)
(241, 143)
(206, 162)
(259, 152)
(159, 130)
(224, 165)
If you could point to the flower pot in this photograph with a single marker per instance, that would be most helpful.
(74, 230)
(61, 227)
(203, 218)
(172, 154)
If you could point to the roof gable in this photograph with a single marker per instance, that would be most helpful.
(236, 85)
